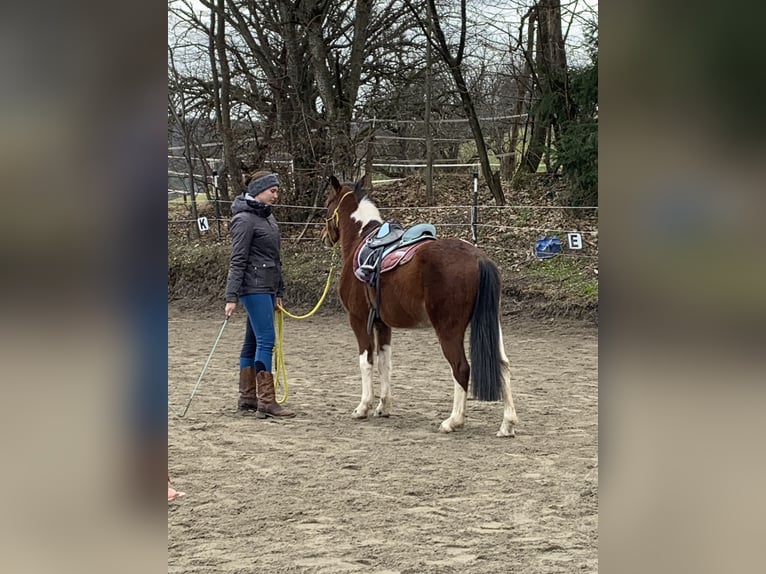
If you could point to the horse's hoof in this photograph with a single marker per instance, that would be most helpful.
(445, 428)
(357, 414)
(382, 414)
(501, 433)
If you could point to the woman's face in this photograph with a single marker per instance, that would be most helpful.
(269, 196)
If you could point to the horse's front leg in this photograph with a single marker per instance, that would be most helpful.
(364, 340)
(384, 368)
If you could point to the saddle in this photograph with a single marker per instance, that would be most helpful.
(384, 249)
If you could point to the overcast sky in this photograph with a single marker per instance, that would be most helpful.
(501, 18)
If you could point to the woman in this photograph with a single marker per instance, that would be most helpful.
(255, 279)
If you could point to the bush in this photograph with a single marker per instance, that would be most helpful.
(577, 146)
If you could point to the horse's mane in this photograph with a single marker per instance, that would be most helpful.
(358, 188)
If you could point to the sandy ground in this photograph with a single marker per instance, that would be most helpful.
(325, 493)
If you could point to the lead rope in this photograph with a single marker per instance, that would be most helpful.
(280, 376)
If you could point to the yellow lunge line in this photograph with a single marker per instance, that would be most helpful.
(280, 376)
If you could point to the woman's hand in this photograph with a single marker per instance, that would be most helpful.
(229, 309)
(279, 302)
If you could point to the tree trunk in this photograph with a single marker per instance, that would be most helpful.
(233, 171)
(180, 118)
(481, 149)
(430, 199)
(454, 62)
(552, 107)
(369, 159)
(338, 88)
(506, 166)
(541, 116)
(223, 187)
(524, 83)
(536, 143)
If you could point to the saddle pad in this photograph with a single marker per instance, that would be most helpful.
(397, 256)
(401, 255)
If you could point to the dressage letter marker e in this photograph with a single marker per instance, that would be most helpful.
(202, 224)
(575, 240)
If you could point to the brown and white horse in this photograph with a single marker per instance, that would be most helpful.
(448, 284)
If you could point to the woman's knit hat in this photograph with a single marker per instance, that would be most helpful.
(263, 183)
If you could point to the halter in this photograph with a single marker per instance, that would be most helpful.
(335, 217)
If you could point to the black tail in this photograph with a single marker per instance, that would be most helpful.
(486, 373)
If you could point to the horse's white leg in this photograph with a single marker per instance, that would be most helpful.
(509, 412)
(365, 405)
(384, 368)
(457, 418)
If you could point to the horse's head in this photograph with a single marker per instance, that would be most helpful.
(339, 192)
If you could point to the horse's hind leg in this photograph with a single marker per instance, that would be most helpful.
(384, 368)
(509, 412)
(454, 351)
(364, 340)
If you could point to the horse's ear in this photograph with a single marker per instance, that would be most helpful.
(359, 192)
(335, 183)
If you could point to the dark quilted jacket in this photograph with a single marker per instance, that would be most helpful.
(255, 265)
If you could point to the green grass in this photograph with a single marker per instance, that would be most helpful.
(179, 201)
(523, 217)
(567, 273)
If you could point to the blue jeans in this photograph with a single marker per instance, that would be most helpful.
(259, 334)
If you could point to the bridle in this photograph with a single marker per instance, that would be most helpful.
(335, 218)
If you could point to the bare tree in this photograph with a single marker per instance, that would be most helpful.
(334, 85)
(454, 62)
(178, 112)
(219, 56)
(525, 82)
(551, 70)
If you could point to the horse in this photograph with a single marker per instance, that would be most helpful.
(447, 285)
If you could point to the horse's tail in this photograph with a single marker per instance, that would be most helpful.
(486, 368)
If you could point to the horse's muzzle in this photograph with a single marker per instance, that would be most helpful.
(325, 237)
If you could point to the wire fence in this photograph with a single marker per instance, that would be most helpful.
(507, 227)
(512, 228)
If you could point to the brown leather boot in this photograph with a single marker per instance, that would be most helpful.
(248, 395)
(267, 404)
